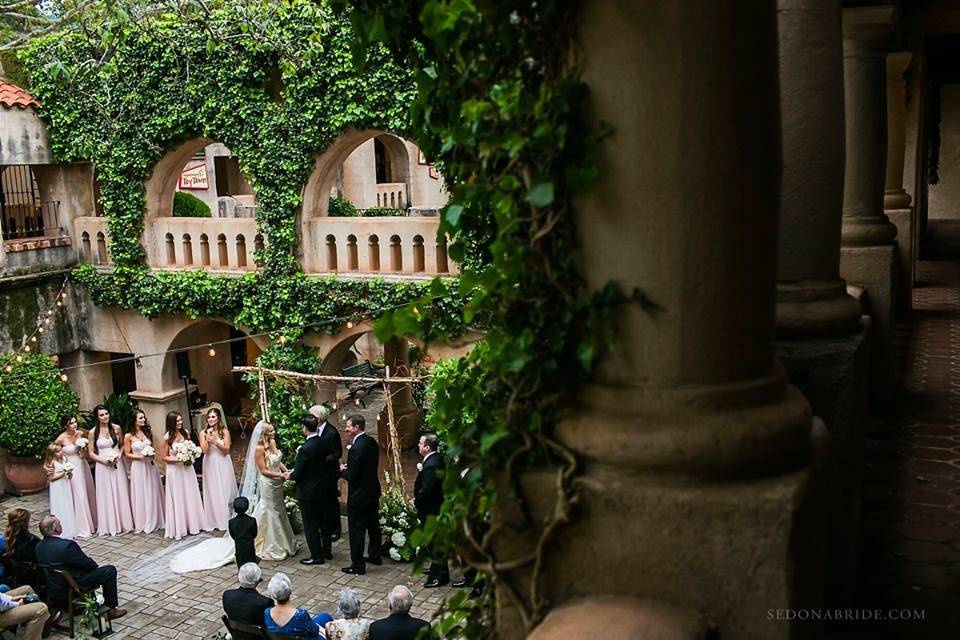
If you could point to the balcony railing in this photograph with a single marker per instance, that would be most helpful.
(393, 195)
(92, 232)
(31, 220)
(213, 243)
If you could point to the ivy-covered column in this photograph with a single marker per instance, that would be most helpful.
(696, 453)
(819, 335)
(869, 254)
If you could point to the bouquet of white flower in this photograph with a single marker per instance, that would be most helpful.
(398, 519)
(81, 442)
(68, 469)
(148, 452)
(186, 452)
(112, 456)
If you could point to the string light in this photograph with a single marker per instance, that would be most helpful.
(40, 329)
(211, 351)
(349, 325)
(32, 339)
(283, 339)
(64, 377)
(356, 401)
(26, 347)
(138, 362)
(9, 368)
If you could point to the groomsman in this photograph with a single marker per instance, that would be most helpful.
(428, 497)
(333, 448)
(363, 495)
(310, 475)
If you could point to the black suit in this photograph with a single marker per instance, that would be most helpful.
(363, 498)
(333, 448)
(243, 530)
(427, 498)
(314, 475)
(245, 605)
(399, 626)
(58, 553)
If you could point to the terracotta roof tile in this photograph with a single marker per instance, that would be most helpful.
(13, 96)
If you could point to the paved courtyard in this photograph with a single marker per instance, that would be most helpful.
(166, 605)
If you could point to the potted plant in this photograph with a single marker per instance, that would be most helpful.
(32, 400)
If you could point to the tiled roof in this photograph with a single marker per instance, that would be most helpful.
(13, 96)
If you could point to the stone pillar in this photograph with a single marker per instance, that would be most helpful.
(405, 412)
(869, 256)
(820, 339)
(696, 453)
(896, 201)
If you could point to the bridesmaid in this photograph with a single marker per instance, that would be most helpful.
(81, 481)
(61, 493)
(113, 491)
(146, 492)
(219, 479)
(183, 508)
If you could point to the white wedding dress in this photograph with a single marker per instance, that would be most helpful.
(275, 539)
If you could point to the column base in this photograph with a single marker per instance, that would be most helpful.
(734, 551)
(812, 308)
(875, 269)
(903, 220)
(866, 231)
(832, 373)
(895, 199)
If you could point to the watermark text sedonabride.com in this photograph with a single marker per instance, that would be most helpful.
(853, 615)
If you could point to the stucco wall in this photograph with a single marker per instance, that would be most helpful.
(944, 197)
(24, 299)
(23, 138)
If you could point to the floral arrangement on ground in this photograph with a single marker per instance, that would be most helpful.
(398, 519)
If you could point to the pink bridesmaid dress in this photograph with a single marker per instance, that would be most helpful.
(113, 494)
(84, 497)
(183, 508)
(146, 492)
(219, 487)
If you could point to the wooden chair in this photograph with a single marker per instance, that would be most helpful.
(74, 594)
(244, 629)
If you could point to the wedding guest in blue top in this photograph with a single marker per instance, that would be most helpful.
(286, 619)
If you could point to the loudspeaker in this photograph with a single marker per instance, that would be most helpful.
(183, 364)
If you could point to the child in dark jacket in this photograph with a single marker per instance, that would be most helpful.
(243, 530)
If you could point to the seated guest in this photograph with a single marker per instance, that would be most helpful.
(286, 619)
(400, 625)
(351, 626)
(54, 552)
(22, 606)
(246, 604)
(21, 550)
(243, 530)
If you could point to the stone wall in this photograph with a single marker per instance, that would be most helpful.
(945, 196)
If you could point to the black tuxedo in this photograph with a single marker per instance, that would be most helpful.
(399, 626)
(330, 438)
(315, 472)
(363, 498)
(427, 498)
(245, 605)
(58, 553)
(243, 530)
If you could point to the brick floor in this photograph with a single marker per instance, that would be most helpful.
(911, 552)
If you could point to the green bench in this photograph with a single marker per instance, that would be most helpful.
(360, 370)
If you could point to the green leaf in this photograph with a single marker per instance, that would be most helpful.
(541, 194)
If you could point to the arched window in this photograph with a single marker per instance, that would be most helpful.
(382, 160)
(85, 248)
(204, 250)
(331, 253)
(418, 254)
(241, 251)
(374, 253)
(353, 261)
(187, 249)
(171, 249)
(223, 258)
(102, 248)
(442, 266)
(396, 254)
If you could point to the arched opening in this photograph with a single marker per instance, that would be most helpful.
(374, 249)
(171, 249)
(85, 248)
(353, 260)
(418, 255)
(382, 165)
(258, 249)
(102, 257)
(396, 254)
(331, 253)
(187, 250)
(204, 250)
(442, 266)
(223, 258)
(241, 251)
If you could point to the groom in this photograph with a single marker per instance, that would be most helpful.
(316, 462)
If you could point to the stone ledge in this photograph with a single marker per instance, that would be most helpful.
(32, 244)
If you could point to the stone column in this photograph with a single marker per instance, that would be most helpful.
(820, 338)
(896, 201)
(405, 413)
(696, 453)
(868, 257)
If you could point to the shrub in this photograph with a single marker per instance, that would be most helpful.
(32, 400)
(120, 406)
(341, 208)
(187, 205)
(383, 212)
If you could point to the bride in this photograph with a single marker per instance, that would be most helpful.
(262, 485)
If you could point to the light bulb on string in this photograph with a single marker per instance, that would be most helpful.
(40, 329)
(33, 338)
(349, 325)
(64, 377)
(211, 351)
(59, 303)
(49, 312)
(26, 347)
(8, 368)
(46, 321)
(283, 339)
(19, 358)
(138, 362)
